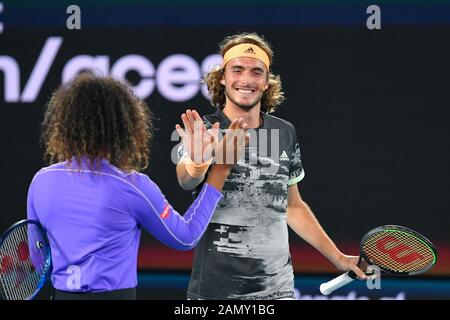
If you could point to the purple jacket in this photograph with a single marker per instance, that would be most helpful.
(94, 218)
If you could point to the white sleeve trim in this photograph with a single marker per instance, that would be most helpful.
(296, 179)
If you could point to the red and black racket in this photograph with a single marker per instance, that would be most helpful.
(395, 250)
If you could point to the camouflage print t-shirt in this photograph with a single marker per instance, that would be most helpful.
(244, 253)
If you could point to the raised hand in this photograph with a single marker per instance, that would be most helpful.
(199, 142)
(232, 147)
(228, 152)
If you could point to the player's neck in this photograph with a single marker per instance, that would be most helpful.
(251, 116)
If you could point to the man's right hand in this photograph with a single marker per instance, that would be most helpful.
(228, 152)
(231, 148)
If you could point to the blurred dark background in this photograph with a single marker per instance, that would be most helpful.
(371, 107)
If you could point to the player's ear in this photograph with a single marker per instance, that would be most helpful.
(222, 76)
(266, 85)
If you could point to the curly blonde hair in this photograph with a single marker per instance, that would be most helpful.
(271, 98)
(97, 118)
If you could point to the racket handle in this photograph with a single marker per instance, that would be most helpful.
(328, 287)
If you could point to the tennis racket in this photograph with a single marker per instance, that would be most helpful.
(395, 250)
(25, 260)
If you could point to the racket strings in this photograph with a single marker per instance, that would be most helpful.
(23, 262)
(398, 251)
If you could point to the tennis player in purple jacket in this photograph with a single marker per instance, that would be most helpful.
(91, 199)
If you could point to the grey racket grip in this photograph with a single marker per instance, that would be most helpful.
(338, 282)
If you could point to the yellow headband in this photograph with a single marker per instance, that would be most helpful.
(249, 50)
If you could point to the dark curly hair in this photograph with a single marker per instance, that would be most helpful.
(97, 118)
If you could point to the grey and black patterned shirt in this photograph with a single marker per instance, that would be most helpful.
(244, 253)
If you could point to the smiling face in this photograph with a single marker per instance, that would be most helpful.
(245, 80)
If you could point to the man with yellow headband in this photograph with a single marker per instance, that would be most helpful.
(244, 253)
